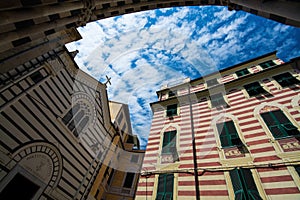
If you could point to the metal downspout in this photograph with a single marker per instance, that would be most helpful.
(194, 148)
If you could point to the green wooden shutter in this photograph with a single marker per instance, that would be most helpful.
(228, 134)
(244, 185)
(286, 79)
(242, 72)
(267, 64)
(171, 110)
(254, 89)
(251, 189)
(279, 124)
(238, 187)
(165, 187)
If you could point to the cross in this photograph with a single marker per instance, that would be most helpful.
(107, 80)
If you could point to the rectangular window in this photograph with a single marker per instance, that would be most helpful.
(169, 143)
(110, 176)
(36, 77)
(217, 100)
(286, 79)
(128, 180)
(134, 158)
(254, 89)
(267, 64)
(165, 187)
(212, 82)
(171, 110)
(228, 134)
(243, 185)
(242, 72)
(172, 93)
(279, 125)
(297, 168)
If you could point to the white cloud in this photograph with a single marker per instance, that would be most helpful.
(196, 39)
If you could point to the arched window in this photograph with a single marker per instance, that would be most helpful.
(278, 124)
(76, 119)
(169, 149)
(228, 134)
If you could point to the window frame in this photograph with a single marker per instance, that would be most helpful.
(163, 179)
(212, 82)
(126, 179)
(171, 143)
(242, 71)
(228, 135)
(278, 78)
(219, 101)
(172, 93)
(251, 87)
(281, 126)
(171, 111)
(75, 120)
(243, 183)
(267, 64)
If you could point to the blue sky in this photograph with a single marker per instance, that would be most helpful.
(143, 51)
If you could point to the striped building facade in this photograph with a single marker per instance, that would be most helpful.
(229, 135)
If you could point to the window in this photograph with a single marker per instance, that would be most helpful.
(134, 159)
(286, 79)
(228, 134)
(165, 187)
(19, 188)
(254, 89)
(36, 77)
(171, 110)
(169, 143)
(212, 82)
(243, 185)
(172, 93)
(297, 168)
(130, 139)
(242, 72)
(110, 176)
(217, 100)
(279, 124)
(267, 64)
(76, 119)
(128, 180)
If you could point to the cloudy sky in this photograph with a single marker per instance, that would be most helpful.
(145, 50)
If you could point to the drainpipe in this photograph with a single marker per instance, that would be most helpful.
(194, 148)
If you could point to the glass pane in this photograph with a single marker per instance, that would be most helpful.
(128, 180)
(235, 179)
(224, 141)
(277, 131)
(67, 117)
(252, 191)
(161, 185)
(230, 127)
(242, 72)
(159, 196)
(280, 117)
